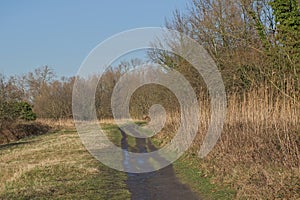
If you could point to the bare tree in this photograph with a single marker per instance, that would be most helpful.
(35, 80)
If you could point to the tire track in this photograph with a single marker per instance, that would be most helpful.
(157, 185)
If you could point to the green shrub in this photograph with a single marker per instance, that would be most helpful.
(11, 111)
(25, 111)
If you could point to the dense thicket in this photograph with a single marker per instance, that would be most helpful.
(253, 42)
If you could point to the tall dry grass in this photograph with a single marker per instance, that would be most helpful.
(57, 123)
(258, 152)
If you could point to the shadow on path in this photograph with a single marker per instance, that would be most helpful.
(160, 184)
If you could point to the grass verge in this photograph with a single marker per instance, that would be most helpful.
(56, 166)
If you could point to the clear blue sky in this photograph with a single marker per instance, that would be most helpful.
(60, 33)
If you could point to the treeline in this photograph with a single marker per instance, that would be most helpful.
(36, 94)
(40, 94)
(141, 100)
(254, 43)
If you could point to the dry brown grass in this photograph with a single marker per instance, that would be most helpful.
(58, 124)
(56, 166)
(69, 123)
(258, 152)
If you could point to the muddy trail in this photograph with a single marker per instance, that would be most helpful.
(160, 184)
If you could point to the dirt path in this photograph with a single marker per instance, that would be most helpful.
(161, 184)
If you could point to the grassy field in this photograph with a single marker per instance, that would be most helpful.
(57, 166)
